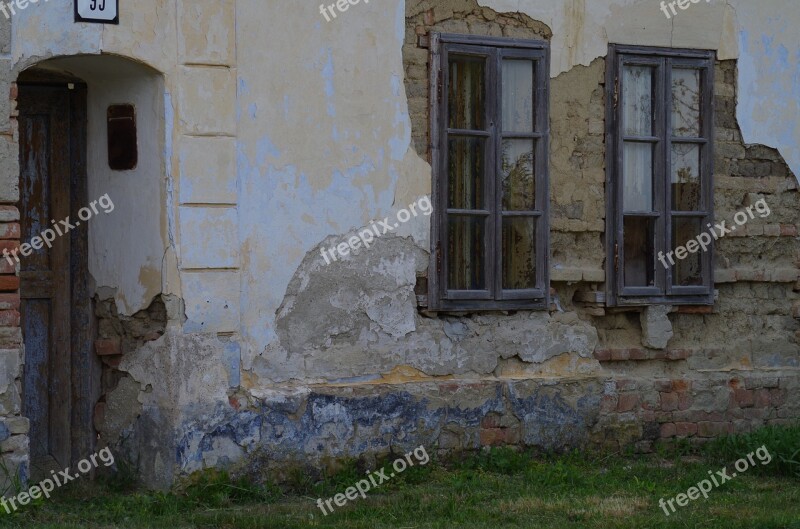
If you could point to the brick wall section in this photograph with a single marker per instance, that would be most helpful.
(14, 428)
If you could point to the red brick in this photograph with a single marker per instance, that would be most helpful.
(9, 283)
(620, 355)
(745, 398)
(788, 230)
(662, 385)
(679, 384)
(678, 354)
(669, 401)
(10, 212)
(762, 398)
(493, 437)
(627, 402)
(9, 230)
(778, 397)
(107, 347)
(685, 400)
(685, 429)
(663, 416)
(6, 267)
(9, 318)
(602, 355)
(9, 301)
(637, 354)
(491, 421)
(234, 402)
(12, 94)
(668, 429)
(9, 245)
(608, 403)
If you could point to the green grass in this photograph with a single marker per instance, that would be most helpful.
(497, 489)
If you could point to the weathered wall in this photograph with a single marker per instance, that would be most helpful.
(273, 146)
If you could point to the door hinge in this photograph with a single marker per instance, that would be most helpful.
(438, 259)
(439, 88)
(616, 257)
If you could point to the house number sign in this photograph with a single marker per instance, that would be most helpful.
(98, 11)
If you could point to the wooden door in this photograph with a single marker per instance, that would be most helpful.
(56, 310)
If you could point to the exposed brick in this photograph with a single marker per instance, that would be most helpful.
(9, 213)
(679, 384)
(695, 309)
(491, 421)
(627, 402)
(685, 400)
(493, 436)
(620, 354)
(669, 401)
(637, 354)
(9, 318)
(762, 398)
(678, 354)
(663, 416)
(745, 398)
(778, 397)
(772, 230)
(608, 403)
(107, 347)
(6, 267)
(788, 230)
(9, 301)
(663, 385)
(9, 231)
(112, 361)
(685, 429)
(668, 429)
(602, 355)
(9, 283)
(9, 245)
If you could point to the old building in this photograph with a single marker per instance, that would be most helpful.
(296, 233)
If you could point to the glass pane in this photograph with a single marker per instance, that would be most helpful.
(637, 100)
(686, 103)
(517, 96)
(467, 270)
(465, 173)
(685, 177)
(519, 253)
(519, 184)
(466, 93)
(688, 252)
(639, 251)
(637, 192)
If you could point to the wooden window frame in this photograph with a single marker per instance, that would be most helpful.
(495, 49)
(664, 59)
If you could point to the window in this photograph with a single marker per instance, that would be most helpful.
(123, 153)
(660, 164)
(489, 133)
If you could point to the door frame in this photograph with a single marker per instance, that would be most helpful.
(85, 367)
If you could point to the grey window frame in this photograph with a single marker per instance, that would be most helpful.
(664, 58)
(495, 49)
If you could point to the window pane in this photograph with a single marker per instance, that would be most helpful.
(685, 177)
(637, 100)
(466, 93)
(517, 98)
(519, 185)
(519, 244)
(465, 173)
(687, 271)
(637, 192)
(686, 102)
(466, 259)
(639, 251)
